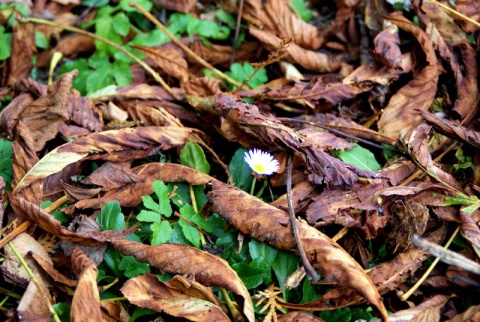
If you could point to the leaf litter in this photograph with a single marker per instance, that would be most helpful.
(378, 121)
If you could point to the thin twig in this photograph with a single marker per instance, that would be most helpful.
(155, 75)
(187, 50)
(455, 12)
(237, 31)
(306, 263)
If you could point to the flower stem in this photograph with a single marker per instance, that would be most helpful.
(252, 189)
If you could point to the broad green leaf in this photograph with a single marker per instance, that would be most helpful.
(200, 196)
(132, 267)
(80, 82)
(193, 156)
(250, 276)
(240, 170)
(302, 8)
(161, 190)
(145, 4)
(177, 236)
(104, 28)
(308, 292)
(161, 232)
(122, 73)
(112, 258)
(284, 265)
(150, 39)
(5, 44)
(179, 22)
(111, 216)
(151, 204)
(360, 157)
(243, 72)
(149, 216)
(99, 79)
(60, 216)
(261, 251)
(225, 17)
(6, 161)
(62, 310)
(214, 225)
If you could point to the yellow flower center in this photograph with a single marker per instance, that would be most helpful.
(259, 168)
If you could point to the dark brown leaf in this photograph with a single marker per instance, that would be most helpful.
(169, 60)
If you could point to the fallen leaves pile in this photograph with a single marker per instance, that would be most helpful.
(407, 91)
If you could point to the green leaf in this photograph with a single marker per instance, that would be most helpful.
(121, 24)
(145, 4)
(302, 8)
(193, 156)
(5, 44)
(60, 216)
(250, 276)
(308, 291)
(190, 233)
(122, 73)
(284, 265)
(80, 82)
(161, 232)
(95, 3)
(104, 28)
(132, 267)
(6, 161)
(111, 258)
(360, 157)
(181, 196)
(62, 310)
(150, 39)
(161, 190)
(179, 22)
(149, 216)
(240, 170)
(339, 315)
(261, 251)
(241, 73)
(177, 236)
(225, 17)
(207, 29)
(41, 41)
(214, 225)
(111, 216)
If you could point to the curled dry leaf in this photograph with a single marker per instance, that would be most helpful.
(271, 132)
(147, 291)
(419, 93)
(470, 9)
(279, 21)
(295, 316)
(48, 267)
(271, 225)
(23, 49)
(86, 299)
(428, 310)
(115, 145)
(177, 5)
(48, 223)
(204, 267)
(451, 129)
(416, 141)
(130, 195)
(387, 47)
(113, 175)
(308, 59)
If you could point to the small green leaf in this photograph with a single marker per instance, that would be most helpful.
(181, 196)
(112, 258)
(261, 251)
(161, 232)
(241, 73)
(339, 315)
(161, 190)
(177, 236)
(111, 216)
(41, 41)
(62, 310)
(121, 24)
(360, 157)
(190, 233)
(193, 156)
(6, 161)
(250, 276)
(145, 4)
(122, 73)
(149, 216)
(132, 267)
(302, 8)
(240, 170)
(5, 44)
(60, 216)
(284, 265)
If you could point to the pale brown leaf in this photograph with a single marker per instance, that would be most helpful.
(169, 60)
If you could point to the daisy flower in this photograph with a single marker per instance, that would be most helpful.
(261, 162)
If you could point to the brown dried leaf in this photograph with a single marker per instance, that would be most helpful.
(202, 86)
(419, 93)
(130, 195)
(270, 132)
(308, 59)
(467, 89)
(470, 231)
(428, 310)
(472, 314)
(296, 316)
(177, 5)
(86, 299)
(48, 223)
(185, 260)
(416, 141)
(52, 272)
(23, 49)
(32, 306)
(169, 60)
(271, 225)
(470, 9)
(279, 21)
(387, 48)
(147, 291)
(115, 145)
(113, 175)
(451, 129)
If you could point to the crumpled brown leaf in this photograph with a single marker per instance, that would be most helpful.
(270, 132)
(177, 5)
(86, 299)
(169, 60)
(419, 93)
(48, 223)
(147, 291)
(204, 267)
(23, 50)
(271, 225)
(387, 47)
